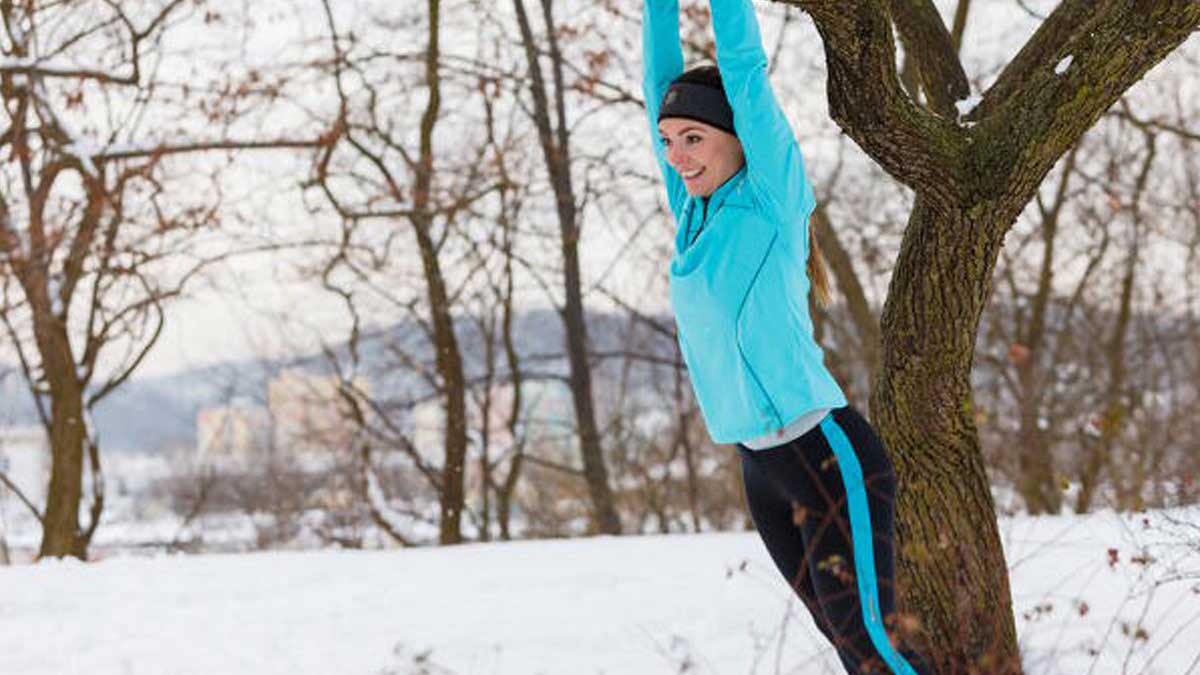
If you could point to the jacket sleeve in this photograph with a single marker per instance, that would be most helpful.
(662, 62)
(774, 164)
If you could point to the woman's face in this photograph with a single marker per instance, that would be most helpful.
(703, 155)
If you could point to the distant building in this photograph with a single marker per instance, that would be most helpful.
(305, 417)
(547, 422)
(234, 433)
(309, 413)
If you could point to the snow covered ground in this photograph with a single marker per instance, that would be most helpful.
(707, 603)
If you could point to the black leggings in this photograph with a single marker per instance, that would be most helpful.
(812, 500)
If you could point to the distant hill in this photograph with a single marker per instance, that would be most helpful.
(159, 412)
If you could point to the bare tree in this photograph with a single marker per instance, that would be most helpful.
(498, 395)
(85, 226)
(1048, 413)
(1028, 344)
(374, 171)
(554, 136)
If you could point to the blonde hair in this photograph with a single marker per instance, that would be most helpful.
(818, 272)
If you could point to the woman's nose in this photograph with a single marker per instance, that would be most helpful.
(674, 155)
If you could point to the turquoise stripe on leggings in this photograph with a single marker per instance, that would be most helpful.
(864, 549)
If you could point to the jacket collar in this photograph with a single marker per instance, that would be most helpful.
(696, 217)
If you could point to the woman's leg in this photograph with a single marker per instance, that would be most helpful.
(774, 519)
(812, 473)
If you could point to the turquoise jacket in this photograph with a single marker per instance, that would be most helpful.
(740, 289)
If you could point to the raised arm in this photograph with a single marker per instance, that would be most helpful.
(773, 159)
(662, 62)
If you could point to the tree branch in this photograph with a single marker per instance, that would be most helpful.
(1125, 113)
(20, 495)
(1068, 19)
(927, 41)
(202, 146)
(866, 99)
(32, 69)
(1066, 78)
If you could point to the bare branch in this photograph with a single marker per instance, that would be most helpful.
(1035, 112)
(867, 101)
(927, 41)
(20, 495)
(204, 146)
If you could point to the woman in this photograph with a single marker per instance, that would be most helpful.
(818, 482)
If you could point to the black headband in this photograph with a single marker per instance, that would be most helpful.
(695, 101)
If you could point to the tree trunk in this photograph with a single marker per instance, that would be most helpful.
(555, 142)
(60, 529)
(604, 515)
(510, 209)
(1035, 463)
(1036, 481)
(951, 567)
(447, 355)
(971, 181)
(1098, 454)
(488, 332)
(516, 378)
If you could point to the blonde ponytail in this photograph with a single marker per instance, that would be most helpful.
(818, 273)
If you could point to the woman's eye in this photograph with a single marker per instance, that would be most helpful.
(666, 142)
(692, 140)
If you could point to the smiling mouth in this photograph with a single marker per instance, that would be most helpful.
(693, 175)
